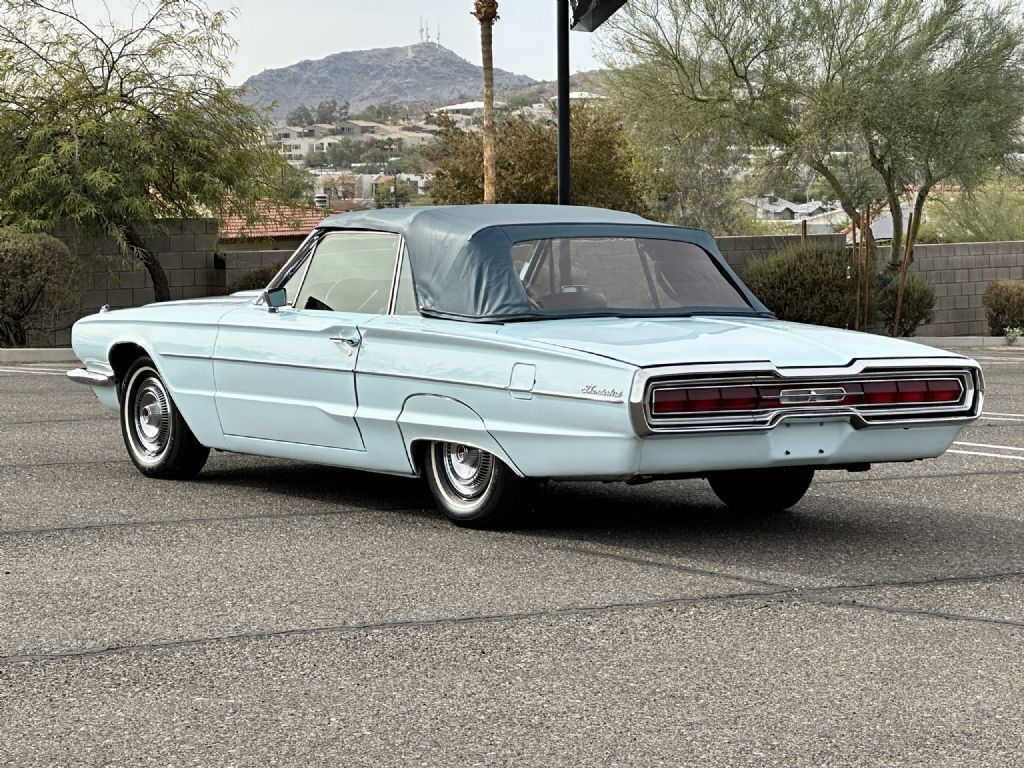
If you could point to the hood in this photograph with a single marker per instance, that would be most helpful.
(678, 341)
(202, 310)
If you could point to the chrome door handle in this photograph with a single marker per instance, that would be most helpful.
(349, 344)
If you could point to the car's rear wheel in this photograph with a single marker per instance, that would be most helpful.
(158, 440)
(471, 486)
(761, 490)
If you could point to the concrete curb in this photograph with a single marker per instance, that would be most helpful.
(27, 355)
(964, 341)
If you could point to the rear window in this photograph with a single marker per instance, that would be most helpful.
(565, 274)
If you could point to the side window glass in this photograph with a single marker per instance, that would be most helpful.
(350, 272)
(405, 299)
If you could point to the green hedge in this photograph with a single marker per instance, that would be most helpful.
(38, 281)
(810, 283)
(918, 305)
(258, 278)
(805, 283)
(1004, 306)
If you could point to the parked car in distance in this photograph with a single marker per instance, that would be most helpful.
(486, 347)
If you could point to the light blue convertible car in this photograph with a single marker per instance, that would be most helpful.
(489, 347)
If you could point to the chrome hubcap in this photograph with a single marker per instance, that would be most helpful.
(151, 417)
(468, 470)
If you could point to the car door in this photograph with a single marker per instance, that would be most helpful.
(289, 375)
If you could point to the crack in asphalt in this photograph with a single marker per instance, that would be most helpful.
(192, 520)
(58, 421)
(863, 478)
(778, 592)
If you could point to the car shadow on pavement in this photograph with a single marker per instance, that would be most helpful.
(830, 538)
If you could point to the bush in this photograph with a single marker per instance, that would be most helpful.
(258, 278)
(918, 305)
(1004, 306)
(805, 283)
(38, 278)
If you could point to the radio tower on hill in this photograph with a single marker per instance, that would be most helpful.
(425, 32)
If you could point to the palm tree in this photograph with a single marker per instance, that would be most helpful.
(486, 12)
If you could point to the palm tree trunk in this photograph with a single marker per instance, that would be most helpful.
(486, 12)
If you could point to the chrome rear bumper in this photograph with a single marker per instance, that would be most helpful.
(92, 378)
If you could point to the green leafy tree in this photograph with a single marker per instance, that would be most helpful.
(301, 117)
(526, 162)
(925, 91)
(393, 193)
(315, 158)
(327, 112)
(993, 212)
(344, 152)
(109, 126)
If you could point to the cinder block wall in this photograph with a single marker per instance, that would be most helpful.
(237, 264)
(185, 247)
(960, 273)
(740, 250)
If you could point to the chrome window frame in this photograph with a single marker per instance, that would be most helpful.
(322, 234)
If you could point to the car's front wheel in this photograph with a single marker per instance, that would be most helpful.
(471, 486)
(158, 440)
(761, 490)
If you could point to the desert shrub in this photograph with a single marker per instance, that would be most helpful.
(918, 305)
(1004, 305)
(805, 283)
(38, 281)
(258, 278)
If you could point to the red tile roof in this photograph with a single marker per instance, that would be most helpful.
(281, 222)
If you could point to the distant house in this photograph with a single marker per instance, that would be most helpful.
(774, 208)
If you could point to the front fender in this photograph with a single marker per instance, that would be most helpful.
(436, 418)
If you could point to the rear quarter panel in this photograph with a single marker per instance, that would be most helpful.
(553, 412)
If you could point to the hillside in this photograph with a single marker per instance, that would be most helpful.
(413, 73)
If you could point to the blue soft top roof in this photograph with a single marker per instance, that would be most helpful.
(460, 254)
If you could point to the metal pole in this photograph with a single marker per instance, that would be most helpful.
(564, 191)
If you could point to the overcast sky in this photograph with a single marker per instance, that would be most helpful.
(273, 34)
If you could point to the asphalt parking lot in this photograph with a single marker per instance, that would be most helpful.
(276, 613)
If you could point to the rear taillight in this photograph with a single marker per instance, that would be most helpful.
(677, 400)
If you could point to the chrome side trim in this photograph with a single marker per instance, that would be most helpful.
(275, 363)
(435, 379)
(579, 396)
(186, 356)
(92, 378)
(499, 387)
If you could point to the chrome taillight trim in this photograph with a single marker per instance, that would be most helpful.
(967, 409)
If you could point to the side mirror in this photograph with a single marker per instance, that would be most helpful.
(275, 298)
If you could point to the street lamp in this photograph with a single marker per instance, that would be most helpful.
(587, 15)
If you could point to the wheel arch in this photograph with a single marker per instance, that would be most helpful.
(123, 354)
(427, 419)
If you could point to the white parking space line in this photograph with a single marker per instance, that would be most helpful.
(989, 445)
(1000, 359)
(33, 372)
(36, 371)
(992, 455)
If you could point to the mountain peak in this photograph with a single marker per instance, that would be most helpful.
(408, 73)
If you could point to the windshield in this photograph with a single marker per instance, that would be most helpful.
(565, 275)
